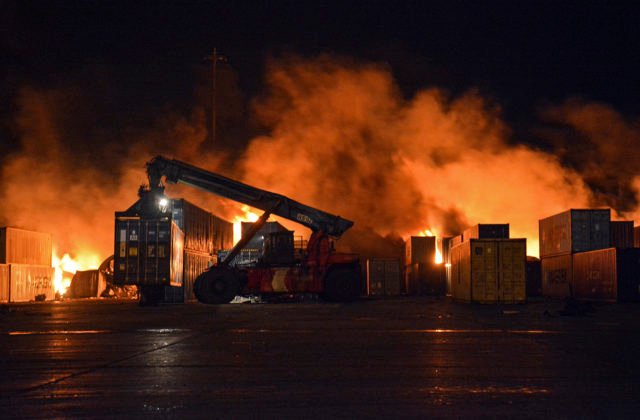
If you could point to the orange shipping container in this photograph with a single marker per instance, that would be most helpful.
(24, 283)
(20, 246)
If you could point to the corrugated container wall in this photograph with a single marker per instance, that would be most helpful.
(575, 230)
(148, 252)
(383, 277)
(19, 246)
(204, 232)
(86, 284)
(621, 234)
(557, 276)
(487, 231)
(608, 275)
(420, 249)
(489, 271)
(636, 237)
(24, 282)
(4, 283)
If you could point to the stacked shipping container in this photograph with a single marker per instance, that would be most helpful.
(194, 240)
(25, 265)
(422, 275)
(587, 256)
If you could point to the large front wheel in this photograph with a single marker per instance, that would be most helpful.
(342, 285)
(216, 286)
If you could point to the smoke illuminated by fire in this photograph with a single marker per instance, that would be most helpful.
(342, 137)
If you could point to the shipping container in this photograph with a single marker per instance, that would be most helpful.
(278, 248)
(445, 248)
(621, 234)
(425, 279)
(575, 230)
(148, 252)
(86, 284)
(204, 232)
(420, 250)
(384, 277)
(557, 276)
(4, 283)
(489, 271)
(636, 237)
(487, 231)
(24, 282)
(19, 246)
(457, 240)
(609, 275)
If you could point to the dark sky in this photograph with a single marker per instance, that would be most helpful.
(140, 56)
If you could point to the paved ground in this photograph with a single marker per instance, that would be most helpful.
(404, 357)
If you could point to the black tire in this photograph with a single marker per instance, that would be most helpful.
(150, 295)
(342, 285)
(216, 286)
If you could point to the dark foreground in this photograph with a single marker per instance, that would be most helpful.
(407, 357)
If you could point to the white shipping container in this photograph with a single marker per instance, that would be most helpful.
(24, 282)
(19, 246)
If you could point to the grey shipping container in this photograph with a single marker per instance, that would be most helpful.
(86, 284)
(575, 230)
(24, 282)
(557, 276)
(610, 275)
(487, 231)
(20, 246)
(425, 279)
(420, 250)
(384, 277)
(621, 234)
(489, 271)
(204, 232)
(148, 252)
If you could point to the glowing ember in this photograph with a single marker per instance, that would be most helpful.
(248, 216)
(67, 266)
(429, 232)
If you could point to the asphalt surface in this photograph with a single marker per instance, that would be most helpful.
(389, 358)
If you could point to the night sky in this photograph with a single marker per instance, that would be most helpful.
(148, 54)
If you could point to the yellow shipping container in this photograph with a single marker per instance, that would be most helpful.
(489, 271)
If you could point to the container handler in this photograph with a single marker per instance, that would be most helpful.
(334, 276)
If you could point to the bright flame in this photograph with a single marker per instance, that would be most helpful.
(248, 216)
(429, 232)
(67, 266)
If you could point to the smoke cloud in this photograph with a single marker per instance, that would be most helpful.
(341, 137)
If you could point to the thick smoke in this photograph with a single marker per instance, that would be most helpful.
(341, 138)
(602, 145)
(344, 139)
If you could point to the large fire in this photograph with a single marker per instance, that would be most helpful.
(66, 266)
(431, 232)
(246, 216)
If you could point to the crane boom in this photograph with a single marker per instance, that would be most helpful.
(176, 171)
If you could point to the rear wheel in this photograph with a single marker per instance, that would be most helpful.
(216, 286)
(342, 285)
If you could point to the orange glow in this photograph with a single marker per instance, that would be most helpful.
(247, 216)
(67, 266)
(430, 232)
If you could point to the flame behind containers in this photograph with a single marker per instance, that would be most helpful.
(489, 271)
(422, 275)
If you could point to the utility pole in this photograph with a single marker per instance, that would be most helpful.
(214, 58)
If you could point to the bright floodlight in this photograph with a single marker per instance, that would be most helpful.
(163, 203)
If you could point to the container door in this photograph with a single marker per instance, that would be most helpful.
(512, 265)
(484, 274)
